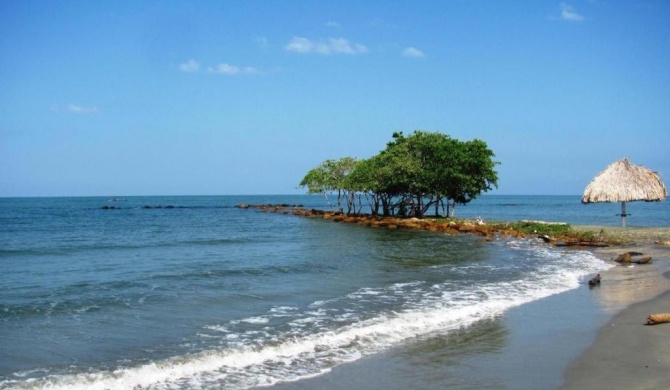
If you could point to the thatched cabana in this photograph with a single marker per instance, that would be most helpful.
(624, 182)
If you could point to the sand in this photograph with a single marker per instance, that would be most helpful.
(627, 353)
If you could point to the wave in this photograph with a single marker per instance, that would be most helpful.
(329, 333)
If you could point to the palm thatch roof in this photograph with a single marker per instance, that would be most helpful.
(623, 181)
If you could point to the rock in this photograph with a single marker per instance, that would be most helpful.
(595, 281)
(466, 227)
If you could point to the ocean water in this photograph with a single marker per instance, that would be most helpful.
(198, 294)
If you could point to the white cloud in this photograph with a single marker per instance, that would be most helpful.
(331, 46)
(223, 68)
(77, 109)
(232, 70)
(190, 66)
(412, 52)
(568, 13)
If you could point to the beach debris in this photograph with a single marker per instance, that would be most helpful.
(627, 257)
(480, 221)
(659, 318)
(594, 281)
(644, 260)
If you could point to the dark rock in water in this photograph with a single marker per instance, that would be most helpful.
(595, 281)
(545, 238)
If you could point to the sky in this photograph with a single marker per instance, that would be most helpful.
(122, 98)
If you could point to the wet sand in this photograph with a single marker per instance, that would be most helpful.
(627, 354)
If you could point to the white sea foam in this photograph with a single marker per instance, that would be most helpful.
(254, 320)
(268, 357)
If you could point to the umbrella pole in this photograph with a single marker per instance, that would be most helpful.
(623, 214)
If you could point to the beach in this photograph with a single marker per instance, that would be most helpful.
(628, 354)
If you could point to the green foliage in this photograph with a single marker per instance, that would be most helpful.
(332, 176)
(542, 228)
(411, 174)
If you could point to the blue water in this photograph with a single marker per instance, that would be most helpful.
(199, 294)
(567, 209)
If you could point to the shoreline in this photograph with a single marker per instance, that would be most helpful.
(553, 343)
(618, 351)
(626, 352)
(609, 348)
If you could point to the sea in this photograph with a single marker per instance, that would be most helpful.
(191, 292)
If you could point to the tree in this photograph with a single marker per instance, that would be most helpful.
(329, 177)
(410, 175)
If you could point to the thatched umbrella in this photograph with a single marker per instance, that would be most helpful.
(624, 182)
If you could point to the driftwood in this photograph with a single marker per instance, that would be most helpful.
(660, 318)
(627, 257)
(594, 281)
(644, 260)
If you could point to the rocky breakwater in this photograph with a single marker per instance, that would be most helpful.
(447, 226)
(522, 229)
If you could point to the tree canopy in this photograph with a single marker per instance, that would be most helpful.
(409, 176)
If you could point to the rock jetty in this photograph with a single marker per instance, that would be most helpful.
(442, 225)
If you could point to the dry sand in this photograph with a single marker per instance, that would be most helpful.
(627, 354)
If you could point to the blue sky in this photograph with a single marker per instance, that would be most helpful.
(244, 97)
